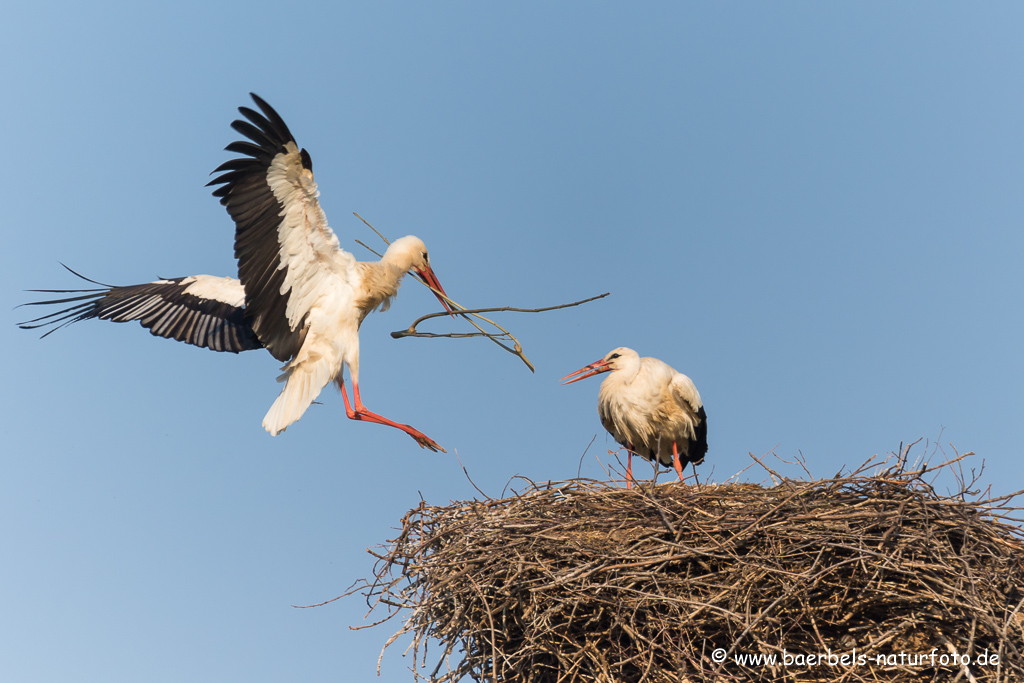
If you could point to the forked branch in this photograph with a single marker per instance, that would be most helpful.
(413, 332)
(499, 337)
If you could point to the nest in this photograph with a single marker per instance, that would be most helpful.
(872, 576)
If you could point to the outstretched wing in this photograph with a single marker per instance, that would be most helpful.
(201, 310)
(287, 255)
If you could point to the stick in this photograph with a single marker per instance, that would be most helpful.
(412, 332)
(504, 335)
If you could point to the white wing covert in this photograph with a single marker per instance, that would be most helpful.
(686, 391)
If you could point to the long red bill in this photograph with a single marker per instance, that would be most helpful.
(427, 273)
(595, 368)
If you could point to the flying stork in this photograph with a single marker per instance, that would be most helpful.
(650, 408)
(299, 294)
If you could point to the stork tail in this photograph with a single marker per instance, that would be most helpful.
(303, 382)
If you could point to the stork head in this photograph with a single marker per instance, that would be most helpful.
(409, 253)
(616, 359)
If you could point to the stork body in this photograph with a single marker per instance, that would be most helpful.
(329, 338)
(299, 295)
(650, 408)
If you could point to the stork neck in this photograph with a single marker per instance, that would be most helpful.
(397, 262)
(401, 254)
(380, 282)
(628, 369)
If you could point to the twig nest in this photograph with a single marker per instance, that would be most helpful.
(586, 581)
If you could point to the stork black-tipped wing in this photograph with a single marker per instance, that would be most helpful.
(700, 442)
(283, 244)
(201, 310)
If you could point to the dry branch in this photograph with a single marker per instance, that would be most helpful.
(498, 338)
(586, 581)
(411, 331)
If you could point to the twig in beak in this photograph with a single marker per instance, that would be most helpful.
(459, 309)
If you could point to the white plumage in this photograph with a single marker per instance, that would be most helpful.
(227, 290)
(650, 408)
(304, 296)
(299, 294)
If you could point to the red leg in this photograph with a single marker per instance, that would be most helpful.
(364, 415)
(675, 461)
(629, 466)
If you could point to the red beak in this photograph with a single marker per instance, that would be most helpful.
(427, 273)
(595, 368)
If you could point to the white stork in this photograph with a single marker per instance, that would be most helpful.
(299, 295)
(650, 408)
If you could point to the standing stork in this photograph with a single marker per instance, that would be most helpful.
(299, 294)
(650, 408)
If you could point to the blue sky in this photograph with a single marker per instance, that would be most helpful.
(812, 209)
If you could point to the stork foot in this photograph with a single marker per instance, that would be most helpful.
(359, 412)
(423, 440)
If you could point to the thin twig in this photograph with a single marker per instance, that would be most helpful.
(585, 582)
(412, 332)
(503, 335)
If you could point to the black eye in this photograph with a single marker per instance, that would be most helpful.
(426, 258)
(613, 356)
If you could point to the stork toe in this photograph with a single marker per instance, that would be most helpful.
(425, 441)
